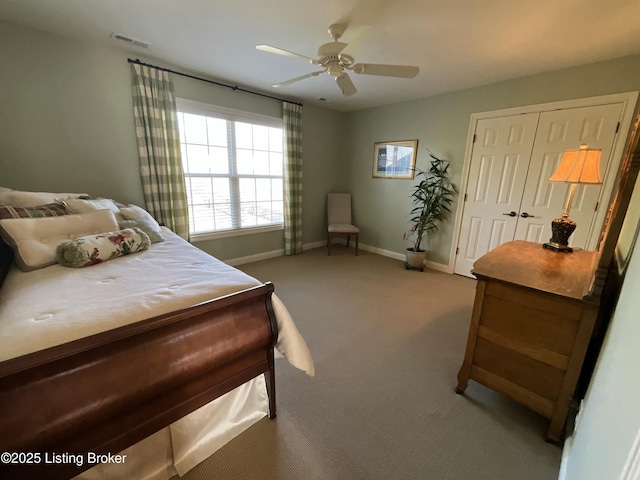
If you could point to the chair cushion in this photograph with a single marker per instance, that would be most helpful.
(343, 228)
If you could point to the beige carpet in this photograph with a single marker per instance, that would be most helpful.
(387, 345)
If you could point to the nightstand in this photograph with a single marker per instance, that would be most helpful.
(530, 326)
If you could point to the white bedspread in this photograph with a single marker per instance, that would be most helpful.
(56, 304)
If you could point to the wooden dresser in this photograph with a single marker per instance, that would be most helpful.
(531, 325)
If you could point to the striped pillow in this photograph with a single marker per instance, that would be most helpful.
(48, 210)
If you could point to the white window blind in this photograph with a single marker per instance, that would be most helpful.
(233, 168)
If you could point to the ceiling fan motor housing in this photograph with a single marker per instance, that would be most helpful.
(331, 49)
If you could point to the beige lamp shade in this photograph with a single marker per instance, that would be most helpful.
(579, 166)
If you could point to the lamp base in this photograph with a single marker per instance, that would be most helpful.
(557, 247)
(561, 230)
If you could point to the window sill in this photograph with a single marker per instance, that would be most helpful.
(201, 237)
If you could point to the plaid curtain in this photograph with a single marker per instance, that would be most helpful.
(156, 122)
(292, 121)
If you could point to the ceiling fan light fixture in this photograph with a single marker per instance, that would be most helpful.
(335, 69)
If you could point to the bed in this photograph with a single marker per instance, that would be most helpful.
(137, 367)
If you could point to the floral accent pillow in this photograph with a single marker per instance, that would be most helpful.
(94, 249)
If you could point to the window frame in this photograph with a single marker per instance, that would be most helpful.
(230, 114)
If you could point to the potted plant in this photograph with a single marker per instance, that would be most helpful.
(431, 198)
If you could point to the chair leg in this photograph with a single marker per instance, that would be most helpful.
(328, 244)
(357, 240)
(348, 238)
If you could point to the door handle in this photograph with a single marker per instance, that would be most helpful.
(526, 215)
(511, 214)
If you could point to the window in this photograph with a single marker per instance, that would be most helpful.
(233, 168)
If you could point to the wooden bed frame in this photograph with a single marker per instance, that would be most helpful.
(106, 392)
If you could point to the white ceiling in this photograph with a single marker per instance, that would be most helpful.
(456, 43)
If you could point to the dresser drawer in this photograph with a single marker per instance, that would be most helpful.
(519, 369)
(549, 330)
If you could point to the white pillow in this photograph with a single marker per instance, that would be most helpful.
(148, 226)
(135, 216)
(34, 240)
(18, 198)
(134, 212)
(77, 205)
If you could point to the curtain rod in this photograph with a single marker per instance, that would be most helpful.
(232, 87)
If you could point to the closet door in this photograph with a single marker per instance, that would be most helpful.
(498, 170)
(543, 201)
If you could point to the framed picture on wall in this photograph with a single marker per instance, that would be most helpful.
(395, 159)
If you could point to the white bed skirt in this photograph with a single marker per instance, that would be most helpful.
(187, 442)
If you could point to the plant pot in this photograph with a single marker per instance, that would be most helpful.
(415, 259)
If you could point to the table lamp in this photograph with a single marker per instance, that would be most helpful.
(576, 166)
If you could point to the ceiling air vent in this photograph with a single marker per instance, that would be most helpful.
(130, 41)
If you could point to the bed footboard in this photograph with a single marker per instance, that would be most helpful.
(103, 393)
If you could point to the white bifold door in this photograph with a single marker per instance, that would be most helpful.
(508, 196)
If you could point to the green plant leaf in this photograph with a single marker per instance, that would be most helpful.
(431, 198)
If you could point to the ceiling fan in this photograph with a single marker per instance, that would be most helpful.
(336, 63)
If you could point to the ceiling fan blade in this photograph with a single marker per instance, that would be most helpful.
(286, 53)
(402, 71)
(346, 85)
(360, 34)
(297, 79)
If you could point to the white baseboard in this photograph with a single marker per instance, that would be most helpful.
(397, 256)
(566, 452)
(266, 255)
(234, 262)
(631, 470)
(382, 251)
(401, 256)
(308, 246)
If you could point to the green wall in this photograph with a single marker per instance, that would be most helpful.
(66, 121)
(441, 123)
(66, 124)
